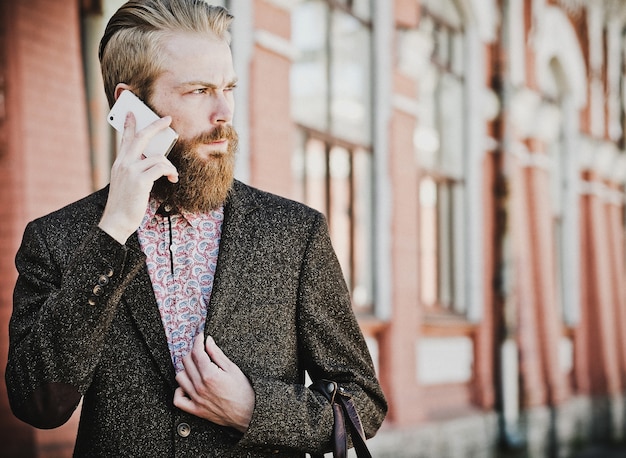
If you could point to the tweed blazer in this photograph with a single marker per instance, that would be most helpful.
(86, 326)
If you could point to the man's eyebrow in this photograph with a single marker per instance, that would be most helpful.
(231, 83)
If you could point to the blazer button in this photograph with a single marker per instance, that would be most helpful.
(109, 272)
(92, 301)
(183, 430)
(98, 290)
(103, 280)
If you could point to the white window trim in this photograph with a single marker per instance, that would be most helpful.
(242, 47)
(383, 32)
(476, 135)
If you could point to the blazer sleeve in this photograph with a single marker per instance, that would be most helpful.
(332, 347)
(62, 307)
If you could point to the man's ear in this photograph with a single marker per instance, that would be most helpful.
(120, 88)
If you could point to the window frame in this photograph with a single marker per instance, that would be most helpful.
(449, 254)
(330, 138)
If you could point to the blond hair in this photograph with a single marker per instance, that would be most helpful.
(130, 49)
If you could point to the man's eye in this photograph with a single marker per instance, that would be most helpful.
(230, 88)
(201, 90)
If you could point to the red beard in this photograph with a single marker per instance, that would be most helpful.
(203, 184)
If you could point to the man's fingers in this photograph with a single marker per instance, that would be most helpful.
(199, 367)
(185, 384)
(216, 354)
(203, 363)
(213, 387)
(191, 366)
(136, 141)
(130, 123)
(183, 402)
(159, 166)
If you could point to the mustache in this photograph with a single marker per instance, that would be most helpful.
(219, 133)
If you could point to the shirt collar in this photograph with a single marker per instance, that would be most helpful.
(192, 218)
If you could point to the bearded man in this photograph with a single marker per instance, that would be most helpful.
(183, 307)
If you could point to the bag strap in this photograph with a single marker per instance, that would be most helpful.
(343, 407)
(358, 439)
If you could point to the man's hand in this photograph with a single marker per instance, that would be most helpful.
(213, 387)
(132, 177)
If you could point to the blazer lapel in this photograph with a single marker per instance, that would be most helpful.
(142, 306)
(237, 247)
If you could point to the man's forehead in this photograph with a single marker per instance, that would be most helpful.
(195, 41)
(197, 58)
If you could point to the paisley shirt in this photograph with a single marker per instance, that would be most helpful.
(181, 251)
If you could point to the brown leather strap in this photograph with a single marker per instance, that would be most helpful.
(343, 407)
(356, 428)
(340, 440)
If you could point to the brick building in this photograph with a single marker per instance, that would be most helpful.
(469, 155)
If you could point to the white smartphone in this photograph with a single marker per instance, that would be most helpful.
(161, 143)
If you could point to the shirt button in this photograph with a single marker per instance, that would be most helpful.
(183, 430)
(168, 208)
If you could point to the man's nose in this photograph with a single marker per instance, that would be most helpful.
(222, 111)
